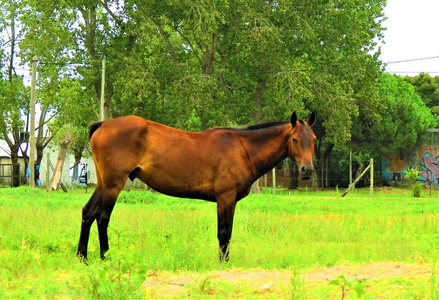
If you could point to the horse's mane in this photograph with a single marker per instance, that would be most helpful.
(254, 127)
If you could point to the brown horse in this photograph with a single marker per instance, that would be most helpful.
(218, 165)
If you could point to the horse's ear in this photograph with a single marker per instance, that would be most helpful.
(293, 119)
(311, 119)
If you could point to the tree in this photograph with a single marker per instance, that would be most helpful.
(70, 124)
(226, 62)
(249, 62)
(403, 119)
(65, 137)
(61, 98)
(13, 93)
(427, 88)
(231, 61)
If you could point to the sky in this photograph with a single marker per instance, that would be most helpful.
(412, 34)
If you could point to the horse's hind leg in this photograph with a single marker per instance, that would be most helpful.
(103, 218)
(89, 213)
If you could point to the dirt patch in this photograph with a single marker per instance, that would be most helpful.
(367, 272)
(262, 283)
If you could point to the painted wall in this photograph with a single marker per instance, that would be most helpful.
(429, 165)
(426, 160)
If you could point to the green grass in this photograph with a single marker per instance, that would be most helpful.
(151, 233)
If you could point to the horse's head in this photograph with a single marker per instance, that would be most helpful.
(301, 144)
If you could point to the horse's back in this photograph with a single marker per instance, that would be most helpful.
(170, 160)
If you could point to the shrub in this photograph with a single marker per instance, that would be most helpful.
(417, 189)
(412, 174)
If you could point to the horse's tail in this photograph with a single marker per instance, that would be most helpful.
(94, 126)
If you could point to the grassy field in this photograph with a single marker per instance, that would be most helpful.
(288, 246)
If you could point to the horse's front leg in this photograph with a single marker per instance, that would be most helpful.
(226, 209)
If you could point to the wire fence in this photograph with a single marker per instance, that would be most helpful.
(336, 174)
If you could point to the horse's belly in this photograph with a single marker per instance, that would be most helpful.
(179, 184)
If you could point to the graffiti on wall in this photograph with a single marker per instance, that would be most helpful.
(394, 169)
(429, 171)
(428, 165)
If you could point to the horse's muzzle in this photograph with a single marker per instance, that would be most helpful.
(306, 172)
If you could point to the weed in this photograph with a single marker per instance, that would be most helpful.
(297, 286)
(117, 278)
(205, 285)
(434, 283)
(19, 262)
(347, 285)
(417, 189)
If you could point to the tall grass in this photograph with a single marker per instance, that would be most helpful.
(39, 232)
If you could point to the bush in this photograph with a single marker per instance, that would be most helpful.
(417, 189)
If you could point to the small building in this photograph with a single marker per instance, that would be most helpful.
(84, 171)
(6, 164)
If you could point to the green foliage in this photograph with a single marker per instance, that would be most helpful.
(404, 118)
(417, 189)
(194, 122)
(297, 286)
(427, 87)
(119, 277)
(234, 61)
(346, 285)
(412, 174)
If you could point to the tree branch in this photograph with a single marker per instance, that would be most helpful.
(171, 48)
(115, 18)
(190, 45)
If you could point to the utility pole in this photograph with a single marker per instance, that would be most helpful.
(32, 124)
(101, 106)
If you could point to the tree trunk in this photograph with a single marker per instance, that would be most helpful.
(255, 189)
(43, 138)
(15, 170)
(14, 146)
(209, 57)
(259, 101)
(56, 178)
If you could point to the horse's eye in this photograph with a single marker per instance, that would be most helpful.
(295, 141)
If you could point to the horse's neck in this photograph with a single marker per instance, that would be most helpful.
(267, 148)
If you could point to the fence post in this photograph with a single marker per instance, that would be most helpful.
(355, 181)
(350, 167)
(274, 180)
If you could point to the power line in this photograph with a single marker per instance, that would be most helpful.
(412, 72)
(257, 70)
(411, 60)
